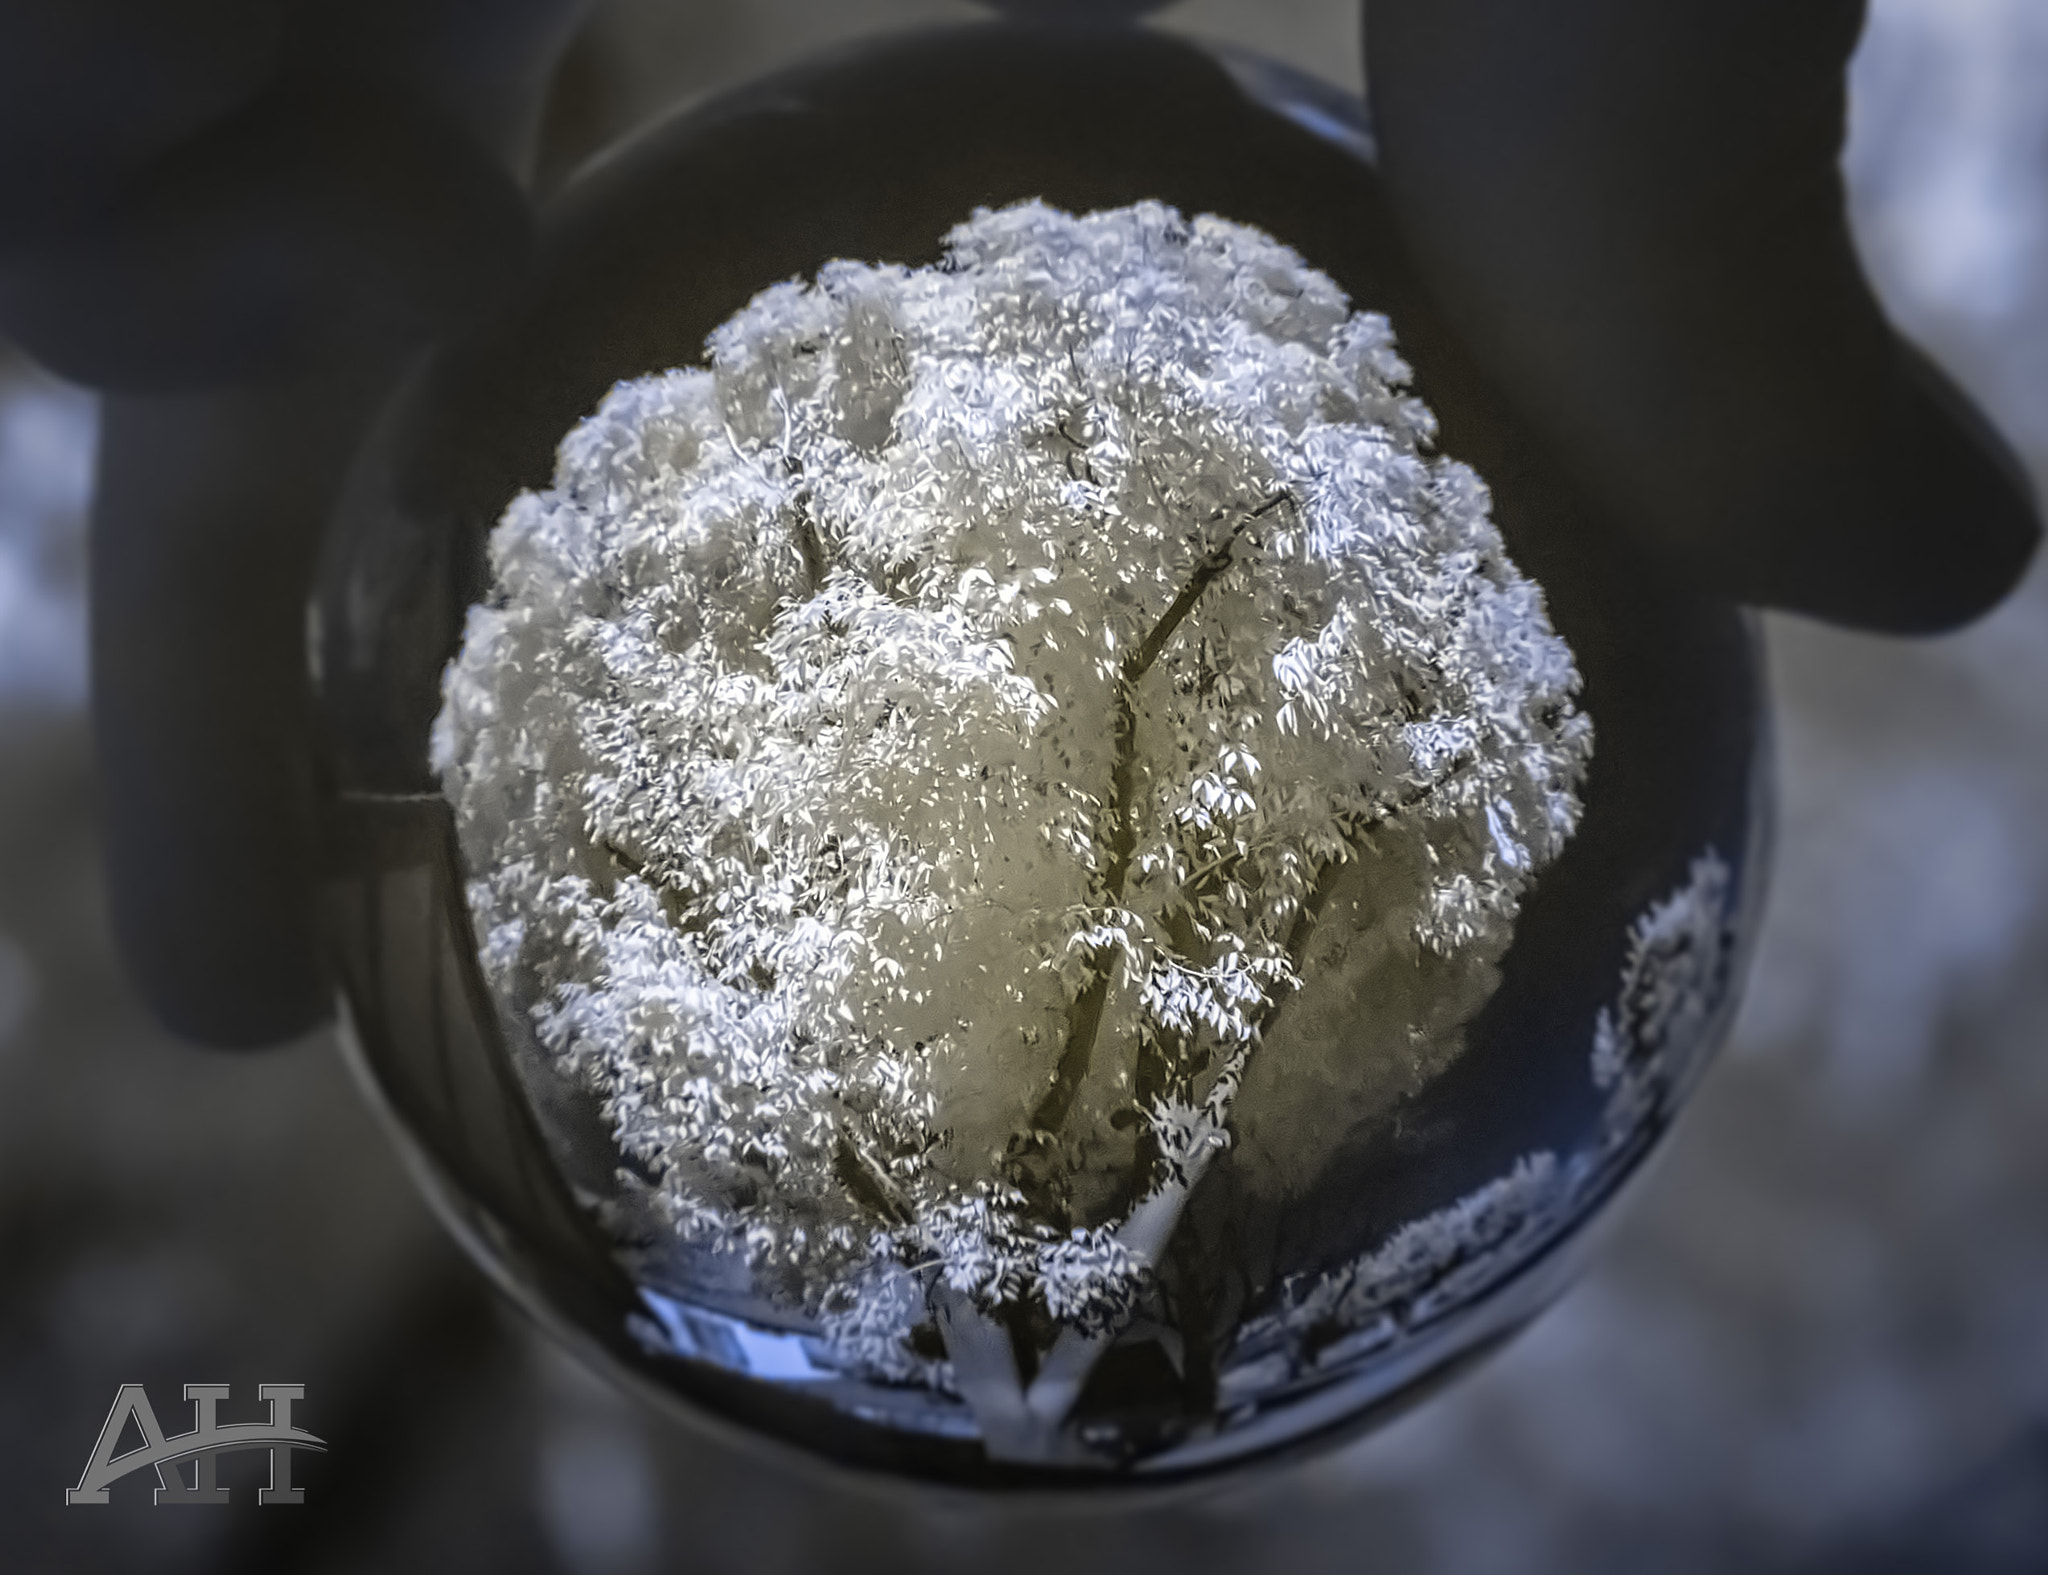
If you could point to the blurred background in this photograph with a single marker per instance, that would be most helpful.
(1817, 1338)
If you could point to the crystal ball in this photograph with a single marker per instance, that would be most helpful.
(1074, 862)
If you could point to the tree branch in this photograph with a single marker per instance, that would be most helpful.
(1152, 1221)
(1084, 1019)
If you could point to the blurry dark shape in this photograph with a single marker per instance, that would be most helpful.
(418, 1380)
(1992, 1522)
(1634, 214)
(239, 217)
(93, 91)
(330, 215)
(487, 63)
(209, 507)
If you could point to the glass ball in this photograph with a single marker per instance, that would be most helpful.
(1269, 1323)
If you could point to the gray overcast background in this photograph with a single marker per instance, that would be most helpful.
(1818, 1338)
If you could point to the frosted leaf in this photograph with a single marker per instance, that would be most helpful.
(1091, 1280)
(862, 1330)
(939, 774)
(1680, 953)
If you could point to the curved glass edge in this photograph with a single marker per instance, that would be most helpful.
(1335, 114)
(1349, 1384)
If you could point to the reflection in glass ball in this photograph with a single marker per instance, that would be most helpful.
(1028, 900)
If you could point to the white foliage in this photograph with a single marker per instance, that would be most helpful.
(1680, 952)
(879, 744)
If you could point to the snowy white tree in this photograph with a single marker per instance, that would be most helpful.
(1001, 735)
